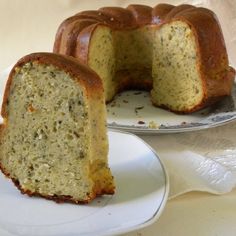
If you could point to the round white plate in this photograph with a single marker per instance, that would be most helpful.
(133, 111)
(141, 193)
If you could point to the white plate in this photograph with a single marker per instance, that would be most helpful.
(141, 193)
(132, 111)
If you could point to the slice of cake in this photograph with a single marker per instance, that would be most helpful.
(53, 142)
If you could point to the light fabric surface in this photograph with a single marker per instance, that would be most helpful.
(199, 161)
(203, 160)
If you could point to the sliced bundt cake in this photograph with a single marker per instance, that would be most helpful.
(53, 142)
(178, 52)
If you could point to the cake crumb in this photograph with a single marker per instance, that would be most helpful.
(31, 108)
(153, 125)
(138, 108)
(140, 122)
(137, 93)
(113, 104)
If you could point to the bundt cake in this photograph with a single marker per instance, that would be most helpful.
(176, 51)
(53, 142)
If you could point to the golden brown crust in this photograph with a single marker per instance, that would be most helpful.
(119, 17)
(83, 40)
(217, 76)
(141, 13)
(159, 13)
(178, 10)
(68, 44)
(82, 16)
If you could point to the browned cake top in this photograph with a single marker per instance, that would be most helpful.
(135, 15)
(203, 21)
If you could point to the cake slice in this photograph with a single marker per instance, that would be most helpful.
(53, 142)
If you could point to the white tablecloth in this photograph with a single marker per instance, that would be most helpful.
(30, 26)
